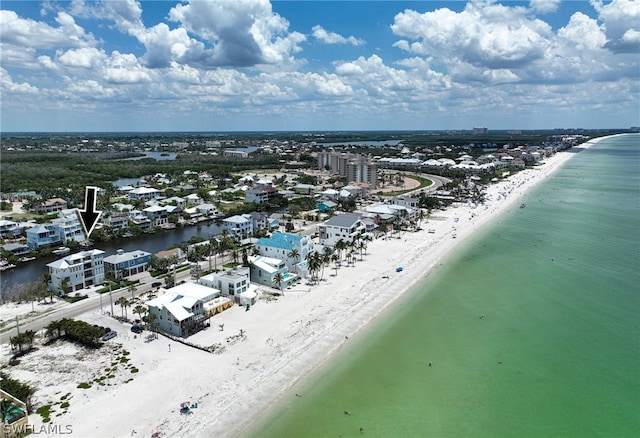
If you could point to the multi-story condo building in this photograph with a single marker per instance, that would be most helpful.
(356, 168)
(78, 271)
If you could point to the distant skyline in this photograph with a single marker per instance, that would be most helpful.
(255, 65)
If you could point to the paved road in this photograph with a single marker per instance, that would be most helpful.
(94, 302)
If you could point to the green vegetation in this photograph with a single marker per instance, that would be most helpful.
(74, 330)
(84, 385)
(45, 412)
(17, 389)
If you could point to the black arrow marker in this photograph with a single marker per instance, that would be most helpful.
(89, 215)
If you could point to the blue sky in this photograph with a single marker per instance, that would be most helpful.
(255, 65)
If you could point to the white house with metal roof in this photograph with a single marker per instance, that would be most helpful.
(182, 310)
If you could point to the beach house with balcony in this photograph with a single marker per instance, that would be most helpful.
(343, 226)
(79, 271)
(69, 226)
(182, 310)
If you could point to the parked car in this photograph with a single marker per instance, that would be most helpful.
(109, 335)
(136, 329)
(156, 284)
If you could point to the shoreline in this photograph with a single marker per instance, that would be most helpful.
(286, 342)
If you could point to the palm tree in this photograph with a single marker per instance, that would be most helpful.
(294, 254)
(122, 301)
(151, 322)
(336, 260)
(54, 329)
(278, 279)
(140, 310)
(340, 246)
(132, 288)
(65, 284)
(46, 278)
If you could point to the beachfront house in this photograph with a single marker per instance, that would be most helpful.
(16, 249)
(260, 195)
(175, 254)
(182, 310)
(231, 283)
(264, 270)
(343, 226)
(77, 271)
(124, 264)
(282, 246)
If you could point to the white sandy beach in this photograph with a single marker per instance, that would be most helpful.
(285, 339)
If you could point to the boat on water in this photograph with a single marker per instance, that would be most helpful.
(61, 251)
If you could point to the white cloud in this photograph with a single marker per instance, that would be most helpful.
(544, 6)
(322, 35)
(83, 58)
(29, 33)
(621, 21)
(484, 34)
(242, 33)
(9, 86)
(582, 33)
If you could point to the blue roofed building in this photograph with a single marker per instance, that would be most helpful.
(281, 245)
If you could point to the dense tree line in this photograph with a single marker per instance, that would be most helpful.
(50, 173)
(75, 330)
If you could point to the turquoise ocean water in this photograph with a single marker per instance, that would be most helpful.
(532, 329)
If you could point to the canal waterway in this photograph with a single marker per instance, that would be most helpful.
(32, 271)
